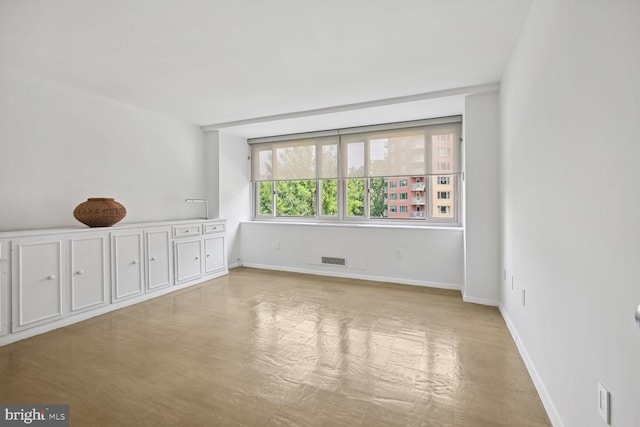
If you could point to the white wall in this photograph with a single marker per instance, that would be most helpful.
(60, 146)
(482, 199)
(211, 158)
(570, 104)
(430, 257)
(234, 190)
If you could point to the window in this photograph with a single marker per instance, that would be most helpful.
(444, 166)
(352, 174)
(444, 209)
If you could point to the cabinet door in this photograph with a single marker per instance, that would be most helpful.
(159, 258)
(88, 271)
(37, 282)
(188, 260)
(127, 266)
(214, 254)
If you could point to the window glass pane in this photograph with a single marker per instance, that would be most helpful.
(355, 197)
(442, 152)
(443, 197)
(296, 198)
(355, 159)
(396, 153)
(265, 198)
(265, 167)
(329, 197)
(408, 200)
(378, 197)
(296, 162)
(329, 161)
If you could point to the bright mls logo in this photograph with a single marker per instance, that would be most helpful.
(37, 415)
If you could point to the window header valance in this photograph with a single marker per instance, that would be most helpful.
(424, 147)
(359, 129)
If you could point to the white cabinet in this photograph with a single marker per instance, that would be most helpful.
(127, 253)
(159, 258)
(214, 254)
(88, 271)
(37, 281)
(199, 251)
(51, 278)
(188, 254)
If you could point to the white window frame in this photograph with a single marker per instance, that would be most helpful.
(429, 219)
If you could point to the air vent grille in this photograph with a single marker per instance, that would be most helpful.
(334, 261)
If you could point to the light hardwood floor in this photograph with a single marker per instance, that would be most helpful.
(269, 348)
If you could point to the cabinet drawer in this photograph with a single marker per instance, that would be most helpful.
(187, 230)
(213, 228)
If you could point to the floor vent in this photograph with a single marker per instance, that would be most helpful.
(334, 261)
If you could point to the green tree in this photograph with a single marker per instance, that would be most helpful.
(377, 195)
(266, 198)
(329, 197)
(355, 197)
(296, 198)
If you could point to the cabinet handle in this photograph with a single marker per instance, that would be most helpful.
(215, 228)
(208, 255)
(197, 258)
(79, 272)
(134, 261)
(51, 277)
(153, 258)
(186, 231)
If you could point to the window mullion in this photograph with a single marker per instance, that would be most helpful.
(318, 198)
(367, 198)
(274, 198)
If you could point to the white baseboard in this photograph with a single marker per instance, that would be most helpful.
(72, 318)
(355, 276)
(552, 412)
(483, 301)
(235, 265)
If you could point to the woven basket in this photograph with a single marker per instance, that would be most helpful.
(99, 212)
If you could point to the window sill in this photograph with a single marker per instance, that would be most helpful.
(358, 225)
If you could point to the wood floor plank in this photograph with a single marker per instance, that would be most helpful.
(271, 348)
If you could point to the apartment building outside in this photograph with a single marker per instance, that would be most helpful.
(407, 196)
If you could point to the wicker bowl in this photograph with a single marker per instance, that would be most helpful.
(99, 212)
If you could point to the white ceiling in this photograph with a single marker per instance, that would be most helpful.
(218, 61)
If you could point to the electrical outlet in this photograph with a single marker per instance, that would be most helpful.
(399, 253)
(604, 400)
(277, 244)
(524, 297)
